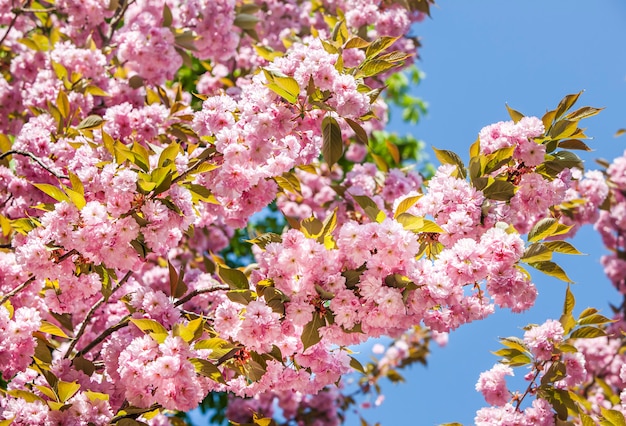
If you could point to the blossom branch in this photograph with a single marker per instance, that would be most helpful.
(119, 16)
(16, 290)
(190, 169)
(93, 309)
(32, 157)
(529, 388)
(11, 24)
(199, 292)
(106, 333)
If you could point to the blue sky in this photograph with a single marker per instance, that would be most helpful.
(477, 56)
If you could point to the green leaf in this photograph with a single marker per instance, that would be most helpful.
(430, 226)
(563, 129)
(379, 45)
(515, 115)
(332, 147)
(286, 87)
(612, 418)
(310, 333)
(369, 206)
(561, 247)
(190, 331)
(66, 390)
(499, 190)
(52, 191)
(594, 319)
(406, 204)
(95, 91)
(587, 332)
(207, 369)
(356, 42)
(449, 157)
(90, 122)
(552, 269)
(63, 104)
(233, 277)
(264, 239)
(167, 16)
(374, 67)
(148, 326)
(410, 222)
(25, 395)
(76, 197)
(177, 286)
(49, 328)
(570, 302)
(359, 132)
(543, 229)
(537, 252)
(243, 297)
(574, 144)
(311, 227)
(354, 363)
(514, 343)
(566, 103)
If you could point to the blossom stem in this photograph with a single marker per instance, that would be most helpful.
(519, 401)
(92, 311)
(199, 292)
(16, 290)
(106, 333)
(32, 157)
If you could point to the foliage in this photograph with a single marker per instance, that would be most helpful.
(200, 207)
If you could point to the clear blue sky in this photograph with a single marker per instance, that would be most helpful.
(477, 56)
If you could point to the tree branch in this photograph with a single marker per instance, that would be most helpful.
(106, 333)
(32, 157)
(16, 290)
(199, 292)
(93, 309)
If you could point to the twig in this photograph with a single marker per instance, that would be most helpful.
(16, 290)
(10, 27)
(66, 255)
(119, 15)
(106, 333)
(32, 157)
(93, 309)
(199, 292)
(528, 389)
(190, 169)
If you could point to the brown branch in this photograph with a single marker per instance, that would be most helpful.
(32, 157)
(11, 25)
(93, 309)
(16, 290)
(192, 168)
(106, 333)
(119, 15)
(199, 292)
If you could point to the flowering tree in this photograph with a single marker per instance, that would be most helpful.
(139, 140)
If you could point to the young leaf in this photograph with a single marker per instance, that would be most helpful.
(233, 277)
(449, 157)
(207, 369)
(587, 332)
(310, 333)
(543, 229)
(552, 269)
(148, 325)
(406, 204)
(49, 328)
(332, 148)
(515, 115)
